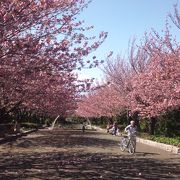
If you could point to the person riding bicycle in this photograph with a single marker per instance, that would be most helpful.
(131, 131)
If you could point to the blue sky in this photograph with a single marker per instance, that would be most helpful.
(124, 20)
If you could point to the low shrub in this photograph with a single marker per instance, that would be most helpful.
(162, 139)
(103, 126)
(28, 126)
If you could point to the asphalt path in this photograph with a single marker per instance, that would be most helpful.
(72, 154)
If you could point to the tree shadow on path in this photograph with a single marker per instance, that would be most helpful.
(79, 164)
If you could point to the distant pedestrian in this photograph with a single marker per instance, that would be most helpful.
(115, 128)
(83, 128)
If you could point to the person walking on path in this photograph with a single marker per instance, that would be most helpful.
(83, 128)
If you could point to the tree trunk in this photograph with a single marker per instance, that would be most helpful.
(17, 127)
(136, 119)
(152, 125)
(89, 122)
(54, 122)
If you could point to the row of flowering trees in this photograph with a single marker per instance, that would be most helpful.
(42, 44)
(147, 81)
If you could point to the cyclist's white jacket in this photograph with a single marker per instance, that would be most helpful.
(130, 130)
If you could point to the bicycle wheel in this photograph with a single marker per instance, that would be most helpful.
(131, 148)
(123, 144)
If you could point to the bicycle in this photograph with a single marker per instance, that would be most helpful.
(128, 143)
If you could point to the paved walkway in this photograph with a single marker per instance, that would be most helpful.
(71, 154)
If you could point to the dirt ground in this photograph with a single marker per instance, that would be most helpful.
(71, 154)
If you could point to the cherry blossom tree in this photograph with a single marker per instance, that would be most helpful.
(103, 101)
(157, 88)
(41, 44)
(151, 79)
(145, 81)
